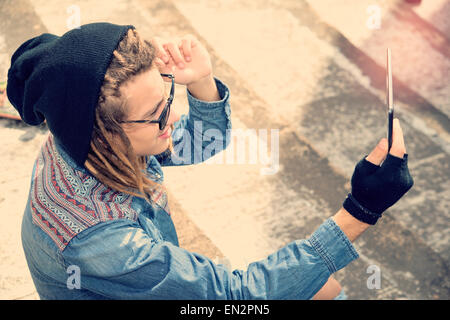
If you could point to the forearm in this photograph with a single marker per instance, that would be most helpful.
(204, 89)
(351, 226)
(329, 291)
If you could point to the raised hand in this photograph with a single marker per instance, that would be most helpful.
(186, 58)
(377, 187)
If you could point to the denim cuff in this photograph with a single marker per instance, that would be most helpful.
(211, 109)
(333, 246)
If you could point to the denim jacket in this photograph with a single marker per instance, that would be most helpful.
(84, 240)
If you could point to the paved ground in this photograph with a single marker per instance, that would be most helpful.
(314, 70)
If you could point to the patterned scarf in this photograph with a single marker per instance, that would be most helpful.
(65, 201)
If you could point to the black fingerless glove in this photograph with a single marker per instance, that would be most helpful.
(376, 188)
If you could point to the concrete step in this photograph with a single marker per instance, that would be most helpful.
(307, 84)
(436, 13)
(286, 72)
(420, 52)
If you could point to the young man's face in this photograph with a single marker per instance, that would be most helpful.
(147, 96)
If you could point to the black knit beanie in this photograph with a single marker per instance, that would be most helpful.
(59, 79)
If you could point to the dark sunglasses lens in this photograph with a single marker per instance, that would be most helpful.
(165, 117)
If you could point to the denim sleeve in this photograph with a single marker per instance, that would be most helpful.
(203, 132)
(120, 261)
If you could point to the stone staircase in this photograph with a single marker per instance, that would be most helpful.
(313, 72)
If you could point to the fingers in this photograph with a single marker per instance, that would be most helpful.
(380, 152)
(160, 51)
(398, 148)
(186, 48)
(175, 53)
(159, 62)
(178, 50)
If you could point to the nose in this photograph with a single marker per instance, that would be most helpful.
(173, 116)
